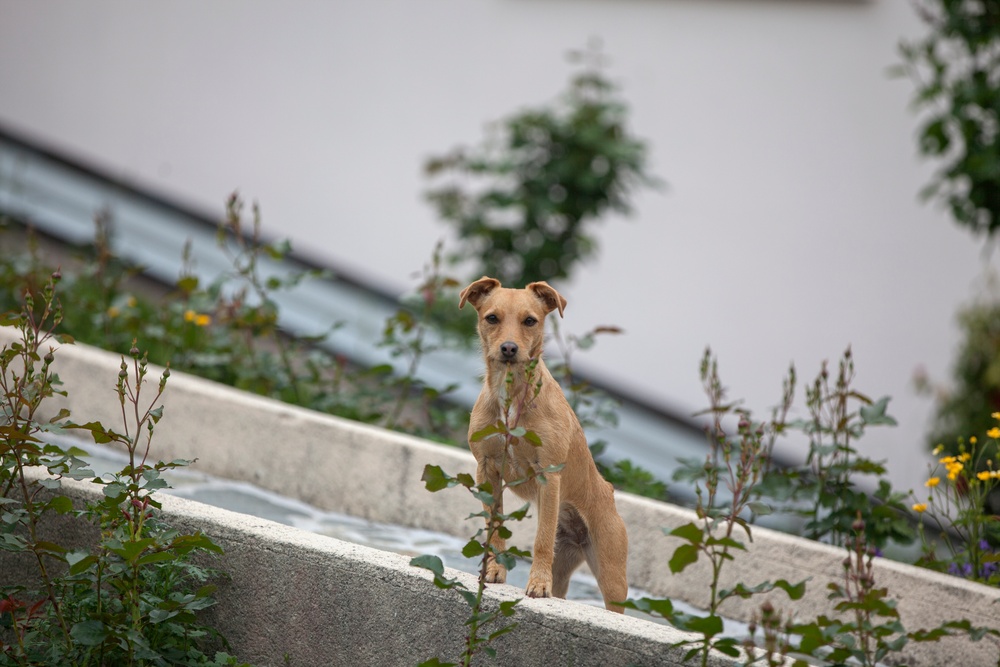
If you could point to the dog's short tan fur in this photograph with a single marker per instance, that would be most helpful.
(577, 518)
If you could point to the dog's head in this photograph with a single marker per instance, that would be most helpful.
(511, 321)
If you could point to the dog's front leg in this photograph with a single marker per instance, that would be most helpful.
(540, 577)
(489, 471)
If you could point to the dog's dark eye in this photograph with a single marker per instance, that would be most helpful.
(530, 321)
(491, 318)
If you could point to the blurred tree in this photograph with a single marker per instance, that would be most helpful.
(964, 408)
(956, 70)
(522, 201)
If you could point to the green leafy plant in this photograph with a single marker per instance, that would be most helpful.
(826, 490)
(866, 628)
(862, 637)
(128, 600)
(839, 415)
(713, 537)
(523, 200)
(480, 620)
(958, 94)
(484, 545)
(408, 334)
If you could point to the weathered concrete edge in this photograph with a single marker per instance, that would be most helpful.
(362, 470)
(322, 601)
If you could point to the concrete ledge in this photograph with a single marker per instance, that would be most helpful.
(322, 601)
(368, 472)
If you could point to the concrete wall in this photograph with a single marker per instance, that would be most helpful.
(321, 601)
(290, 588)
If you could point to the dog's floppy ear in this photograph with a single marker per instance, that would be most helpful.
(475, 292)
(552, 299)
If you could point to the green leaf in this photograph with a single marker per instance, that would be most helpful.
(60, 504)
(472, 549)
(50, 548)
(689, 531)
(97, 431)
(428, 562)
(727, 646)
(506, 559)
(160, 615)
(709, 626)
(156, 557)
(131, 551)
(507, 608)
(484, 433)
(484, 497)
(727, 542)
(156, 414)
(661, 607)
(518, 515)
(794, 591)
(89, 633)
(114, 490)
(684, 555)
(435, 479)
(79, 561)
(875, 415)
(49, 483)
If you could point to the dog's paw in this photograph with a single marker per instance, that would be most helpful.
(538, 586)
(495, 573)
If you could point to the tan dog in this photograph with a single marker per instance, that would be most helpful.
(577, 518)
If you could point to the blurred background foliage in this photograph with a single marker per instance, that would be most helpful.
(955, 70)
(523, 201)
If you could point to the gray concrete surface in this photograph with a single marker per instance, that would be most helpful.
(321, 601)
(361, 470)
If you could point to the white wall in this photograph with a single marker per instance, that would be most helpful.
(791, 227)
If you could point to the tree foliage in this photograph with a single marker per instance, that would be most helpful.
(522, 201)
(956, 70)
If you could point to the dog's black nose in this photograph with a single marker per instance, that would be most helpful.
(508, 350)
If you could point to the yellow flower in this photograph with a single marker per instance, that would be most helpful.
(920, 507)
(996, 415)
(953, 469)
(984, 475)
(199, 319)
(993, 433)
(932, 482)
(964, 456)
(973, 440)
(947, 460)
(113, 312)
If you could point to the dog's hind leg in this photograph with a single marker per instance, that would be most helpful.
(607, 555)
